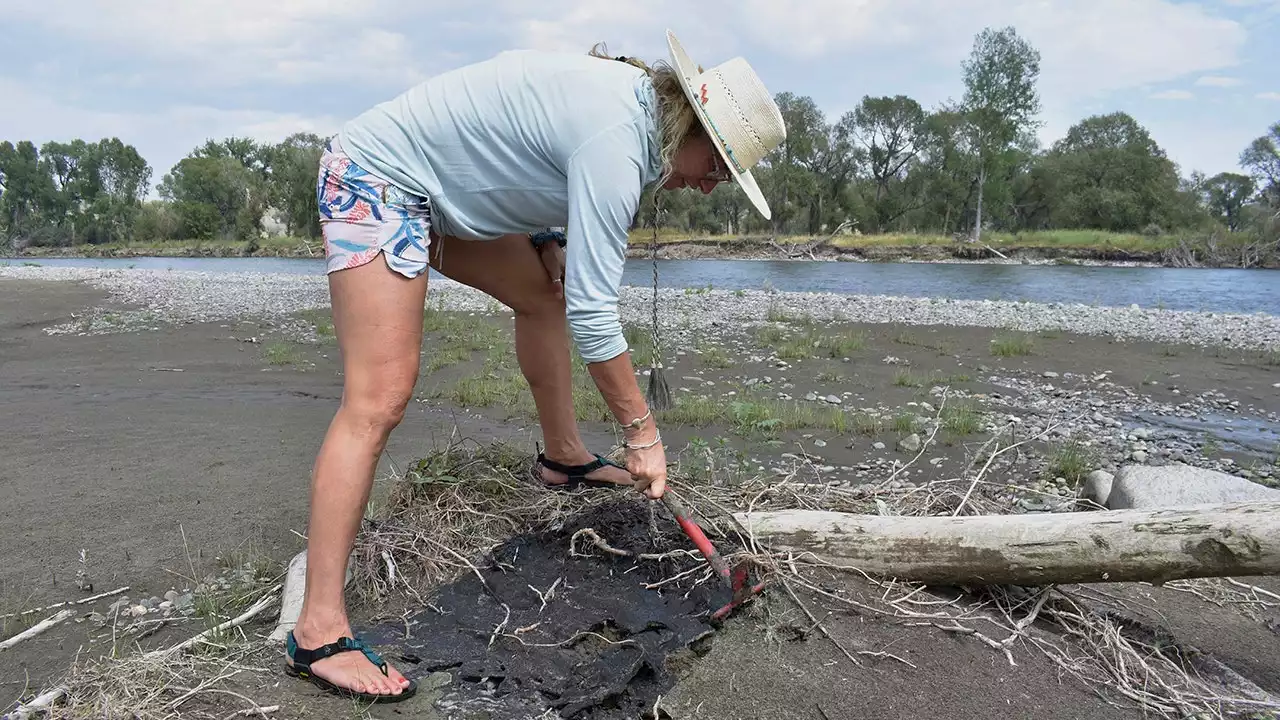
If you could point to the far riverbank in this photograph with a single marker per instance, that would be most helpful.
(1039, 248)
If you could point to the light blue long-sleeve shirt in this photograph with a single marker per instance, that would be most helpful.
(524, 141)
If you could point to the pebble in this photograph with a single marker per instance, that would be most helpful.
(832, 399)
(878, 445)
(819, 443)
(910, 443)
(1050, 374)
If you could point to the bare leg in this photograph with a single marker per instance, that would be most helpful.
(508, 269)
(377, 315)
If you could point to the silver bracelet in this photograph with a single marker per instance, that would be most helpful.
(656, 440)
(639, 422)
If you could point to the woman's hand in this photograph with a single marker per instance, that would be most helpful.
(648, 465)
(552, 256)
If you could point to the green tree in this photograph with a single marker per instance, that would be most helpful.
(292, 167)
(892, 132)
(943, 173)
(793, 185)
(27, 196)
(1109, 174)
(1000, 103)
(212, 197)
(1262, 160)
(1227, 195)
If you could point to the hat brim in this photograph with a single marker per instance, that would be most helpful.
(688, 69)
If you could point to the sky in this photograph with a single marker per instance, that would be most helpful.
(164, 76)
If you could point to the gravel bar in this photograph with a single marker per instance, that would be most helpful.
(192, 296)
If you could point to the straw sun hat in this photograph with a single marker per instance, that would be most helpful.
(739, 114)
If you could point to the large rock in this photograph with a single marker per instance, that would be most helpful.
(1097, 486)
(1143, 487)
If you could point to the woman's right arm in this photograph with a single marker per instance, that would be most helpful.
(604, 184)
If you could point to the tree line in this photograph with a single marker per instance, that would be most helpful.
(82, 192)
(890, 165)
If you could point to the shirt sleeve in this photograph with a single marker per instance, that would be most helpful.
(604, 192)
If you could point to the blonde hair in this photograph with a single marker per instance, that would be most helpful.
(677, 119)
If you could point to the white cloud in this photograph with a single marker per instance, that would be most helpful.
(1088, 47)
(1219, 81)
(234, 42)
(162, 138)
(1268, 96)
(1172, 95)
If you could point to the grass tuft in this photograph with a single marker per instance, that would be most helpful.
(1072, 460)
(281, 353)
(1012, 345)
(714, 356)
(753, 415)
(961, 419)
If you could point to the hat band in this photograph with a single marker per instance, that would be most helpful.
(702, 95)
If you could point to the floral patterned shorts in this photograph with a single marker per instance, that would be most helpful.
(362, 215)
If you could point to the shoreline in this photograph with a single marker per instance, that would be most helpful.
(706, 249)
(195, 296)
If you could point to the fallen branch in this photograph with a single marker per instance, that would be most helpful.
(267, 601)
(85, 601)
(43, 703)
(256, 711)
(1227, 540)
(603, 545)
(38, 628)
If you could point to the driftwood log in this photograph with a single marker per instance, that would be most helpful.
(1228, 540)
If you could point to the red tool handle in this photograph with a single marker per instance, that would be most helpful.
(698, 537)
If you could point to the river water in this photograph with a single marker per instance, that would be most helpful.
(1211, 290)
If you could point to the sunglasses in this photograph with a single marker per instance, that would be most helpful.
(718, 173)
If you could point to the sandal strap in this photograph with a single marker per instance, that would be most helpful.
(304, 658)
(577, 472)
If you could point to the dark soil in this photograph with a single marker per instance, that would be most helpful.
(597, 649)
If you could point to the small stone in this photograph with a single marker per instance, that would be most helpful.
(171, 596)
(137, 611)
(1049, 374)
(811, 396)
(910, 443)
(878, 446)
(834, 400)
(819, 443)
(1139, 456)
(166, 605)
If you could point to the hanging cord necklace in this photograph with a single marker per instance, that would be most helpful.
(659, 394)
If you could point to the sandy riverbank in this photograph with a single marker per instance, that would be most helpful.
(166, 422)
